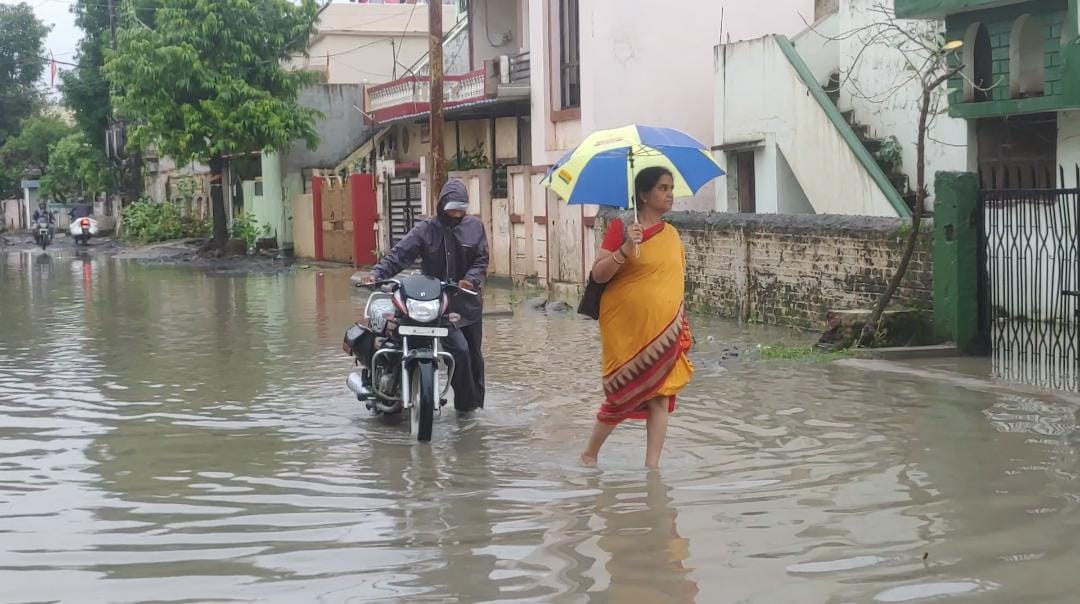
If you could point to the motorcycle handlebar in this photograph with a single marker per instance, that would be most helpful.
(397, 284)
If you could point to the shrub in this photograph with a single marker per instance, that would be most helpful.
(147, 221)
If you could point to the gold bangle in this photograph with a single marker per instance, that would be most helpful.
(616, 260)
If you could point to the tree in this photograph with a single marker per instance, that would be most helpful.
(76, 168)
(22, 62)
(27, 153)
(87, 93)
(206, 81)
(930, 62)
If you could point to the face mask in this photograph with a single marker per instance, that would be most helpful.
(449, 220)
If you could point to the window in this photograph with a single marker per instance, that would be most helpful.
(569, 55)
(1027, 59)
(979, 65)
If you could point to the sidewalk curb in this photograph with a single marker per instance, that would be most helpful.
(941, 351)
(957, 380)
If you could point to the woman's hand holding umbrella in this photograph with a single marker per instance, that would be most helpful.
(635, 234)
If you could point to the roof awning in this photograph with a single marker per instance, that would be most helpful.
(480, 109)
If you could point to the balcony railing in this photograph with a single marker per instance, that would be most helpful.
(412, 95)
(519, 69)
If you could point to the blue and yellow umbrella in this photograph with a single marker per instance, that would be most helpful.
(601, 169)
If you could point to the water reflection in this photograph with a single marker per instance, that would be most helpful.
(167, 434)
(646, 558)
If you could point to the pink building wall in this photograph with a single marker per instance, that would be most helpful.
(646, 62)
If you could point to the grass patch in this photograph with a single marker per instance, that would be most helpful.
(800, 354)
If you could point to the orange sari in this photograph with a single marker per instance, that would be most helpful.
(644, 330)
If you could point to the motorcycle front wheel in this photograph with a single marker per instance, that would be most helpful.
(422, 392)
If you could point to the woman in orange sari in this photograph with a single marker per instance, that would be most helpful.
(643, 326)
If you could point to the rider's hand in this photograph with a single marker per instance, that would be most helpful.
(636, 233)
(368, 280)
(463, 284)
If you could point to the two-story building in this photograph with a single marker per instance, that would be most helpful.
(486, 95)
(355, 45)
(1020, 88)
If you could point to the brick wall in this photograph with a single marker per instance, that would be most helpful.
(792, 269)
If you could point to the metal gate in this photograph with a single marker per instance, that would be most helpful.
(1031, 285)
(404, 203)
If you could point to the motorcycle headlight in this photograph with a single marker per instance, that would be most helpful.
(424, 312)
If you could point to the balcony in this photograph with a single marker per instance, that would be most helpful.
(478, 71)
(411, 95)
(504, 80)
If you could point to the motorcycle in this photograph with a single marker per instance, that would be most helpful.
(43, 233)
(397, 349)
(82, 229)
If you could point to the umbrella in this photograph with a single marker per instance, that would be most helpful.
(602, 168)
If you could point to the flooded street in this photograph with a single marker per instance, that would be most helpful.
(170, 435)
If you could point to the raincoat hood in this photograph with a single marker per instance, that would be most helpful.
(453, 191)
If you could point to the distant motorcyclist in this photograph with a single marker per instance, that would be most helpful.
(81, 209)
(43, 213)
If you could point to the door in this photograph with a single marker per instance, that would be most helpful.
(744, 181)
(404, 205)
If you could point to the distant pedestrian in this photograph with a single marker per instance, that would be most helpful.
(643, 325)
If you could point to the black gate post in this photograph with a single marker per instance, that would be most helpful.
(982, 345)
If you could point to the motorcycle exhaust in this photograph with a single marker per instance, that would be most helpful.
(356, 384)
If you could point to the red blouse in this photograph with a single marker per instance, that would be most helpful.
(614, 237)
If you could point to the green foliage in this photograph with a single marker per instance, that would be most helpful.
(246, 227)
(147, 221)
(206, 80)
(904, 230)
(75, 168)
(84, 87)
(470, 159)
(27, 153)
(891, 155)
(22, 62)
(803, 354)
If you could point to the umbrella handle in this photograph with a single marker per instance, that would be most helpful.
(637, 220)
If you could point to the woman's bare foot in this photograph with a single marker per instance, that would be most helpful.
(589, 461)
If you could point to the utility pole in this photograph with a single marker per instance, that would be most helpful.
(112, 22)
(435, 66)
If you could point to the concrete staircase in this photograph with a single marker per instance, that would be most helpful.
(892, 168)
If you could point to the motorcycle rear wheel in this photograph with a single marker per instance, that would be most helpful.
(422, 413)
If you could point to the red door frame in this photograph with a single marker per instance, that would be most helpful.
(364, 214)
(317, 217)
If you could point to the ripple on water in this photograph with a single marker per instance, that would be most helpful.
(213, 453)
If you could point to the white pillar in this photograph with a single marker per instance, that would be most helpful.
(29, 212)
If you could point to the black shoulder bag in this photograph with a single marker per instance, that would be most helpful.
(590, 300)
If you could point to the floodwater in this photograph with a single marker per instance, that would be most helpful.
(168, 435)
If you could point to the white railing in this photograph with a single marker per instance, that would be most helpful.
(416, 91)
(394, 94)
